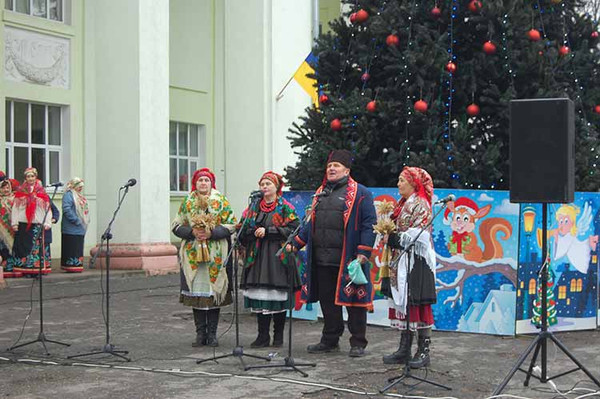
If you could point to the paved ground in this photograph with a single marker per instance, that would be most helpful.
(147, 320)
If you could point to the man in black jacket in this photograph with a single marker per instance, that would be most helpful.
(340, 231)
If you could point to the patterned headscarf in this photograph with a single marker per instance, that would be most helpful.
(81, 205)
(421, 181)
(30, 170)
(204, 172)
(274, 178)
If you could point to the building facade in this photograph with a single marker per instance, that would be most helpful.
(117, 89)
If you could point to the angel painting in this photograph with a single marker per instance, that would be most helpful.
(570, 242)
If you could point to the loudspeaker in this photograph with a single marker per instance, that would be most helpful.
(542, 150)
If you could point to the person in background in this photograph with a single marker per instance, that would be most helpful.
(75, 221)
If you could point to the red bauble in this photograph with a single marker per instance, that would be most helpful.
(594, 35)
(323, 98)
(353, 18)
(436, 12)
(361, 16)
(371, 106)
(392, 40)
(475, 6)
(365, 76)
(336, 125)
(597, 109)
(421, 106)
(489, 48)
(451, 67)
(564, 50)
(473, 110)
(534, 35)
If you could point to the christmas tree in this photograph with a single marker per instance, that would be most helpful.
(551, 303)
(428, 84)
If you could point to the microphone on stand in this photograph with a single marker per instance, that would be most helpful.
(130, 183)
(326, 191)
(449, 198)
(57, 184)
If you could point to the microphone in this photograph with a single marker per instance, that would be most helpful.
(57, 184)
(449, 198)
(130, 183)
(323, 193)
(256, 194)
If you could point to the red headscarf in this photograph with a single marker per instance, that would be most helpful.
(274, 178)
(421, 181)
(32, 196)
(204, 172)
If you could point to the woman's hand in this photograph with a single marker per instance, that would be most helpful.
(201, 234)
(15, 227)
(260, 232)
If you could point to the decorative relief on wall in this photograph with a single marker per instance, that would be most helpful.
(36, 58)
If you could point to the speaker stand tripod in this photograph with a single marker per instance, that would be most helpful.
(41, 335)
(540, 344)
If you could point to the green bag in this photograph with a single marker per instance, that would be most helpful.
(357, 276)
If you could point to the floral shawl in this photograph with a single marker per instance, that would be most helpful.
(212, 273)
(283, 214)
(7, 234)
(31, 196)
(81, 204)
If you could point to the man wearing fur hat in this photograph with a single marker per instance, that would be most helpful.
(340, 231)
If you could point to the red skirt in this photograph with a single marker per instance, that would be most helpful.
(420, 314)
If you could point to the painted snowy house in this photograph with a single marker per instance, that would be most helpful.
(495, 315)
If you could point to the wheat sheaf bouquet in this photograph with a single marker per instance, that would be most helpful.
(384, 227)
(203, 221)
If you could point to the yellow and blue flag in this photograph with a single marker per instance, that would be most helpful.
(308, 84)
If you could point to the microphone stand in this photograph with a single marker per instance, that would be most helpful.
(238, 350)
(406, 373)
(41, 336)
(107, 236)
(289, 362)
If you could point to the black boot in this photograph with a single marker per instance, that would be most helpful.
(421, 358)
(278, 327)
(213, 323)
(201, 324)
(403, 352)
(263, 339)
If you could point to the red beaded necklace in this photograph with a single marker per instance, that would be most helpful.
(267, 207)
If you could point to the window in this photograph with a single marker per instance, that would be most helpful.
(562, 292)
(48, 9)
(532, 286)
(34, 138)
(579, 285)
(573, 285)
(493, 307)
(186, 153)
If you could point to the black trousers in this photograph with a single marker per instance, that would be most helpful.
(332, 313)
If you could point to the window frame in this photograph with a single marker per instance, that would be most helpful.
(48, 148)
(62, 3)
(198, 159)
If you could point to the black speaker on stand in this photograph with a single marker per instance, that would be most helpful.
(542, 169)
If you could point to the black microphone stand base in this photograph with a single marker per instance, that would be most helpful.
(238, 352)
(107, 349)
(288, 363)
(540, 342)
(41, 339)
(406, 374)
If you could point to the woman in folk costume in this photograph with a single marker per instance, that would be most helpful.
(204, 222)
(31, 216)
(412, 213)
(76, 218)
(7, 234)
(265, 279)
